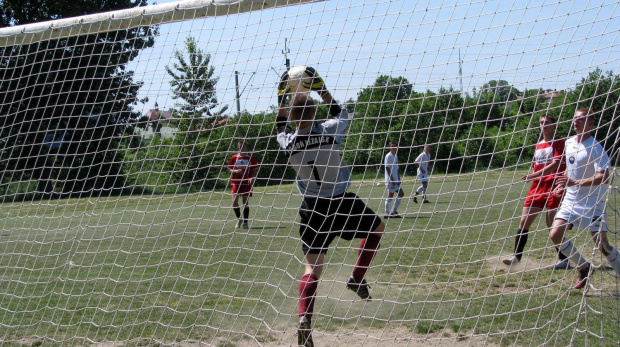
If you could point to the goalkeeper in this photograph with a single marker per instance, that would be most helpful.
(327, 210)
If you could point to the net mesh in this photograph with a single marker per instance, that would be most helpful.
(117, 220)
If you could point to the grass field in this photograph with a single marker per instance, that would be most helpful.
(164, 269)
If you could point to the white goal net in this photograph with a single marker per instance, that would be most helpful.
(119, 130)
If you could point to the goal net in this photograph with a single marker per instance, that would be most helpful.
(117, 129)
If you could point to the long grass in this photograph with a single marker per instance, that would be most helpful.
(163, 269)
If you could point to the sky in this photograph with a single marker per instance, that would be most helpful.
(530, 44)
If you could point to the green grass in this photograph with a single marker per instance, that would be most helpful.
(160, 269)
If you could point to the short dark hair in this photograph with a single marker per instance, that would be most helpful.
(303, 107)
(587, 111)
(549, 117)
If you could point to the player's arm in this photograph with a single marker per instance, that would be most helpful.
(231, 164)
(253, 169)
(596, 180)
(545, 171)
(389, 173)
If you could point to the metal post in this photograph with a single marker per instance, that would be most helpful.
(237, 96)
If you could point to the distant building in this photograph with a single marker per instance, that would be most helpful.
(220, 122)
(156, 114)
(158, 119)
(549, 94)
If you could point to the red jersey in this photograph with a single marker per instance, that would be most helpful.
(546, 153)
(245, 162)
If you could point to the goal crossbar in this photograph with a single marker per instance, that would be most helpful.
(133, 18)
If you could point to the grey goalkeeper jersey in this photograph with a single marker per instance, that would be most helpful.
(314, 153)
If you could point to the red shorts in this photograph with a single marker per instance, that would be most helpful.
(241, 189)
(541, 196)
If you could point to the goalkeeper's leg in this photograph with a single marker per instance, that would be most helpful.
(309, 283)
(366, 253)
(307, 290)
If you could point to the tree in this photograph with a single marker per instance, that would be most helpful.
(195, 160)
(52, 87)
(380, 111)
(599, 91)
(491, 103)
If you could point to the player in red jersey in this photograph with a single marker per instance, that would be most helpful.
(243, 168)
(548, 162)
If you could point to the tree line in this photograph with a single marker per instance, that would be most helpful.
(494, 127)
(62, 136)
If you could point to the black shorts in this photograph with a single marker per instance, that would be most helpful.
(322, 219)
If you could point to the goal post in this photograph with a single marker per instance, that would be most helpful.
(119, 132)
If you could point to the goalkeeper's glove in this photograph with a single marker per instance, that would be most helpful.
(283, 89)
(316, 84)
(334, 109)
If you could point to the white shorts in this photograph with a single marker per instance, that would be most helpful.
(593, 219)
(392, 188)
(423, 178)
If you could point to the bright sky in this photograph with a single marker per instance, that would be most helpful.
(530, 44)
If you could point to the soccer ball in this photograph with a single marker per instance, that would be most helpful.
(297, 77)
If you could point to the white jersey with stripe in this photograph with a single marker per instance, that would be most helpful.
(314, 153)
(584, 160)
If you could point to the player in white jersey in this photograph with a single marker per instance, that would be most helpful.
(583, 206)
(327, 210)
(392, 182)
(422, 161)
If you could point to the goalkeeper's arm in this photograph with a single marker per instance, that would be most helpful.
(317, 85)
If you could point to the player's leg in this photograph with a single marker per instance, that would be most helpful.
(553, 202)
(528, 215)
(558, 229)
(425, 186)
(246, 209)
(397, 202)
(307, 291)
(609, 251)
(309, 283)
(235, 205)
(563, 263)
(315, 240)
(421, 189)
(388, 202)
(366, 253)
(355, 220)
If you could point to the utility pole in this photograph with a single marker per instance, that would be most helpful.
(461, 73)
(285, 51)
(237, 95)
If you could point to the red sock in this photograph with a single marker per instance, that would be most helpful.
(307, 291)
(367, 251)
